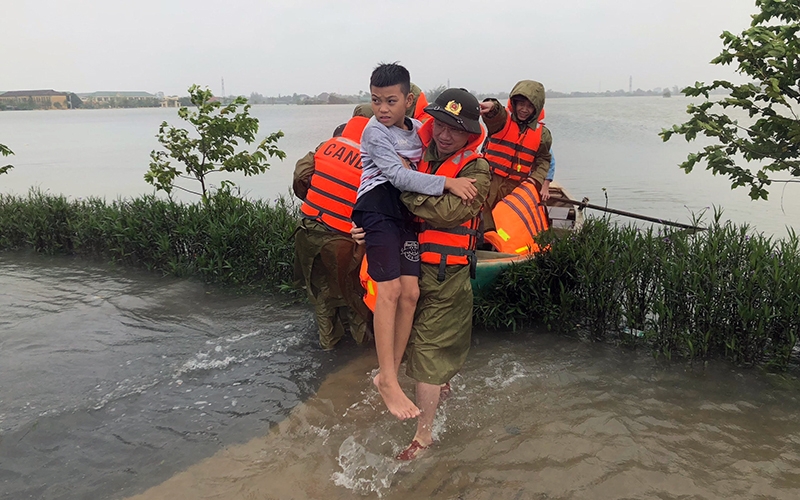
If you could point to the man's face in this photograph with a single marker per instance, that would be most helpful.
(389, 104)
(448, 139)
(523, 108)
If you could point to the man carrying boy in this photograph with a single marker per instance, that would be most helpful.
(389, 145)
(518, 145)
(442, 329)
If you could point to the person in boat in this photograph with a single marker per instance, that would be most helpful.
(326, 260)
(448, 230)
(518, 146)
(390, 148)
(551, 173)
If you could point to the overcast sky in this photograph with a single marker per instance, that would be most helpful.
(312, 46)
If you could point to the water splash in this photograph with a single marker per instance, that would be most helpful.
(364, 472)
(219, 357)
(506, 374)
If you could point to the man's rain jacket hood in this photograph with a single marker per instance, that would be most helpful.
(534, 92)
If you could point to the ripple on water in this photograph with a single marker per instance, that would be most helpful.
(531, 416)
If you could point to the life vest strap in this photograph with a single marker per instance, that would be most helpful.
(504, 171)
(516, 147)
(445, 249)
(336, 180)
(320, 212)
(459, 230)
(525, 161)
(331, 196)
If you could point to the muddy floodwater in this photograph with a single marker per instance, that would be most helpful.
(117, 383)
(533, 416)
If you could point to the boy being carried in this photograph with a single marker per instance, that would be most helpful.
(389, 146)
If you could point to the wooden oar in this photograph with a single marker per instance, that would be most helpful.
(585, 204)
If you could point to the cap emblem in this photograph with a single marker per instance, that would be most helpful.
(453, 107)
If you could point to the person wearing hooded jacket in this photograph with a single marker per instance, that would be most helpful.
(518, 145)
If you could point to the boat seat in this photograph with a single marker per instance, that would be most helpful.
(561, 217)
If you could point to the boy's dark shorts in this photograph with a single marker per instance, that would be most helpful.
(392, 246)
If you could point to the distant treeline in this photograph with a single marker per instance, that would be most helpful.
(431, 94)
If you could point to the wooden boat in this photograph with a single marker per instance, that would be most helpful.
(562, 217)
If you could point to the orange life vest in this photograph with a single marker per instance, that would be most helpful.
(419, 109)
(337, 173)
(354, 128)
(511, 153)
(449, 246)
(518, 218)
(464, 235)
(369, 285)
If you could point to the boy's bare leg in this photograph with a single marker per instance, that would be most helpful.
(386, 382)
(428, 402)
(404, 319)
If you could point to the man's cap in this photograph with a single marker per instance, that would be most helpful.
(458, 109)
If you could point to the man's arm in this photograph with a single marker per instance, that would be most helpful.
(494, 115)
(448, 210)
(303, 170)
(541, 164)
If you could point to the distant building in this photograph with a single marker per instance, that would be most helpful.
(39, 99)
(172, 101)
(96, 97)
(120, 99)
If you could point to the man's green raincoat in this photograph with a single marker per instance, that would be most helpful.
(326, 264)
(442, 331)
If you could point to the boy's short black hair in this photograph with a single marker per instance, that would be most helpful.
(388, 74)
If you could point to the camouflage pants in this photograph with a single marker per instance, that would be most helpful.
(326, 265)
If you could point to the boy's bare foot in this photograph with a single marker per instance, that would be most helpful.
(413, 450)
(395, 399)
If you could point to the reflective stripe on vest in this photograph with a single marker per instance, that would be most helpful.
(454, 246)
(518, 217)
(332, 194)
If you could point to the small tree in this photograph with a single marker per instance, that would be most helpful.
(5, 152)
(769, 53)
(219, 129)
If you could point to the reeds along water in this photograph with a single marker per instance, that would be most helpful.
(226, 240)
(725, 292)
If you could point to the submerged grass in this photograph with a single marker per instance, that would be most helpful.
(726, 292)
(226, 240)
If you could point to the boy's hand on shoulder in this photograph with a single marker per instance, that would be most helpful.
(463, 187)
